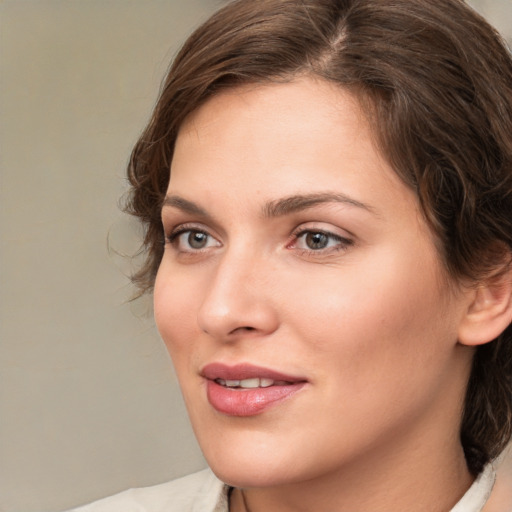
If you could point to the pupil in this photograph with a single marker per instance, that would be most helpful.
(197, 240)
(317, 240)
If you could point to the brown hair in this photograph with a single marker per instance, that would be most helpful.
(437, 80)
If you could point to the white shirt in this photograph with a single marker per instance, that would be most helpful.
(204, 492)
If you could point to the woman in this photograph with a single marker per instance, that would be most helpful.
(327, 193)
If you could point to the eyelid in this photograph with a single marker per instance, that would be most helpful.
(302, 230)
(173, 219)
(319, 227)
(183, 227)
(175, 228)
(177, 231)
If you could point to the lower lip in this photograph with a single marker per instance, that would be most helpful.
(248, 402)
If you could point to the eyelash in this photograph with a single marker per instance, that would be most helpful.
(176, 233)
(342, 243)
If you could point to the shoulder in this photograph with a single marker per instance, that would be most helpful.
(199, 492)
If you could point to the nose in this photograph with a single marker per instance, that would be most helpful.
(239, 299)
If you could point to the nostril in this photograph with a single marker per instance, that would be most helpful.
(244, 328)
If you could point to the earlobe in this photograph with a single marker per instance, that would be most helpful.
(490, 311)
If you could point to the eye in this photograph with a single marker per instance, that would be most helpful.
(318, 240)
(315, 241)
(189, 240)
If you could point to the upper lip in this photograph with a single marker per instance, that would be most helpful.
(243, 371)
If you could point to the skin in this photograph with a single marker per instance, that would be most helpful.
(370, 320)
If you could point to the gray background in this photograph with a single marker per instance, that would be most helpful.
(88, 401)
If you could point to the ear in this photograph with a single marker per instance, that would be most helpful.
(490, 310)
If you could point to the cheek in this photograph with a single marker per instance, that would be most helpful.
(174, 310)
(384, 323)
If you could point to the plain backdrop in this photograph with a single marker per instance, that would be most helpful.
(89, 404)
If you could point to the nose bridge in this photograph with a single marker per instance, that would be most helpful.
(236, 298)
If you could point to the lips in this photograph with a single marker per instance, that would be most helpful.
(247, 390)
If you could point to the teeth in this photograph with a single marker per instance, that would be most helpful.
(246, 383)
(250, 383)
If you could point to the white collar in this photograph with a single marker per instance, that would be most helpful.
(477, 495)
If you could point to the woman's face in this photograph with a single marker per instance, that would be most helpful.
(300, 294)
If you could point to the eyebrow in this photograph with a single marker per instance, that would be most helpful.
(184, 205)
(276, 208)
(301, 202)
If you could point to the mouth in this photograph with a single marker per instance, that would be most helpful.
(247, 390)
(251, 383)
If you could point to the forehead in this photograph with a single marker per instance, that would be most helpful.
(304, 124)
(306, 96)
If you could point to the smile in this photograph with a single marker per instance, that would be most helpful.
(247, 390)
(251, 383)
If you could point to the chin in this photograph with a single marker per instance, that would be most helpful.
(245, 478)
(258, 461)
(252, 475)
(245, 459)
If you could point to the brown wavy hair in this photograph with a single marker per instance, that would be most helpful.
(436, 80)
